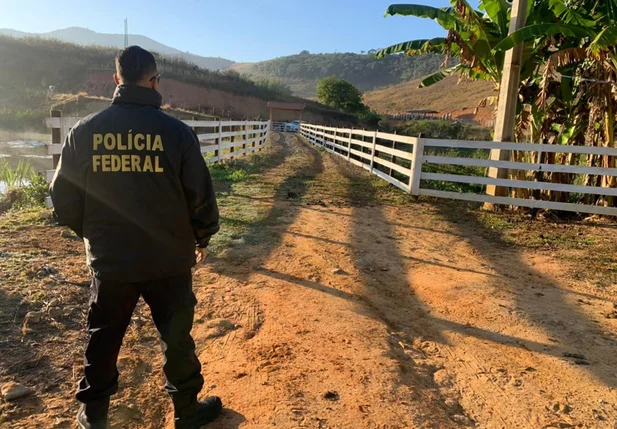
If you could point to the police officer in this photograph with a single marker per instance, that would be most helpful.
(132, 182)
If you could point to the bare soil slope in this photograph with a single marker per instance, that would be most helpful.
(333, 301)
(446, 96)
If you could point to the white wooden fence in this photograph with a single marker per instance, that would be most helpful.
(220, 140)
(407, 155)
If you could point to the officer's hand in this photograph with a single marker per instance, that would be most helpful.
(201, 254)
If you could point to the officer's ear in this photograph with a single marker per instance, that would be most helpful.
(116, 79)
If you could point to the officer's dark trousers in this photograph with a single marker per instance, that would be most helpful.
(172, 304)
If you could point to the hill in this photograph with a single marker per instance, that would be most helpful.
(302, 72)
(84, 36)
(38, 68)
(447, 96)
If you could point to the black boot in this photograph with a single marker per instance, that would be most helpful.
(201, 414)
(93, 415)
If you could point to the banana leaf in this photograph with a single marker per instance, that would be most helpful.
(445, 16)
(497, 11)
(412, 45)
(606, 39)
(541, 30)
(569, 15)
(611, 10)
(437, 77)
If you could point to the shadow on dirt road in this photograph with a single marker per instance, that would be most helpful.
(543, 302)
(301, 165)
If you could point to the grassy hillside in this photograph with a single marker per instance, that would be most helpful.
(84, 36)
(30, 66)
(34, 64)
(302, 72)
(447, 95)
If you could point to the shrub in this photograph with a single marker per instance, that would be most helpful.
(25, 187)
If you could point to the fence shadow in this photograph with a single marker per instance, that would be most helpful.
(267, 234)
(570, 329)
(392, 291)
(256, 163)
(573, 334)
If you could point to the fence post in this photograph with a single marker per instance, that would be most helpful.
(335, 138)
(373, 151)
(349, 145)
(266, 136)
(218, 151)
(246, 135)
(417, 158)
(56, 135)
(392, 157)
(254, 143)
(232, 149)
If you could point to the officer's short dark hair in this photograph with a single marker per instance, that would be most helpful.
(133, 64)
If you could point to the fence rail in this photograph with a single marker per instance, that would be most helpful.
(403, 161)
(219, 140)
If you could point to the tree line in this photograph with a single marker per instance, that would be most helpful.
(303, 71)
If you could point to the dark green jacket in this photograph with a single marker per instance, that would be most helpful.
(132, 182)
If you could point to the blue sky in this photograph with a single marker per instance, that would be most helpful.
(240, 30)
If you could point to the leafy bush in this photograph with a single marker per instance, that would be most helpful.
(386, 126)
(341, 95)
(228, 172)
(36, 192)
(22, 119)
(24, 187)
(17, 177)
(371, 118)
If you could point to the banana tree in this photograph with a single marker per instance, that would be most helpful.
(569, 55)
(582, 45)
(471, 38)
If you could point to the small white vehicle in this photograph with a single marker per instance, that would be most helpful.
(292, 127)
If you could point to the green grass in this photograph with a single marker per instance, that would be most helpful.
(517, 229)
(25, 188)
(233, 180)
(230, 172)
(17, 177)
(460, 170)
(20, 218)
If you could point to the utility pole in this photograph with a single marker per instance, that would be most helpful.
(126, 33)
(508, 100)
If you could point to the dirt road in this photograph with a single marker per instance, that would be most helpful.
(339, 303)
